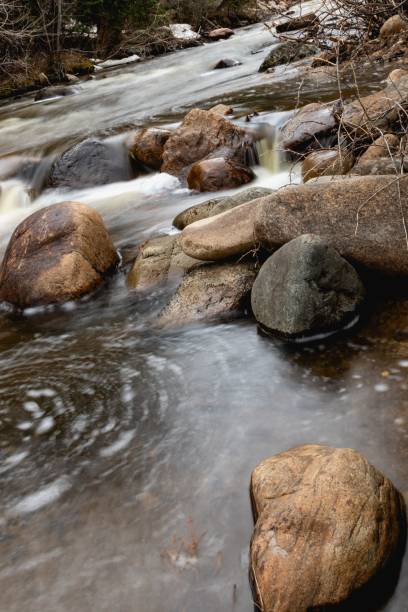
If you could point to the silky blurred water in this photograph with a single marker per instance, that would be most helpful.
(126, 453)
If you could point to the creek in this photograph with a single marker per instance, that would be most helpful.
(126, 453)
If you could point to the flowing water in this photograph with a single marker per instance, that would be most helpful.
(125, 454)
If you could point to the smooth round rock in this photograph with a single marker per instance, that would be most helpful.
(327, 523)
(306, 288)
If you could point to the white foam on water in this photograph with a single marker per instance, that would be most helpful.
(13, 195)
(121, 443)
(46, 425)
(13, 460)
(41, 498)
(36, 393)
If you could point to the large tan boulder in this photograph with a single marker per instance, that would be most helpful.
(214, 291)
(216, 206)
(57, 254)
(146, 146)
(394, 25)
(201, 134)
(362, 217)
(158, 260)
(327, 162)
(380, 166)
(218, 173)
(381, 110)
(327, 522)
(384, 146)
(225, 235)
(90, 162)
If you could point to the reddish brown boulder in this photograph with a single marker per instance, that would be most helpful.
(327, 163)
(57, 254)
(146, 146)
(327, 522)
(201, 134)
(218, 173)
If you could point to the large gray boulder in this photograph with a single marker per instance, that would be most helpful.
(306, 288)
(91, 162)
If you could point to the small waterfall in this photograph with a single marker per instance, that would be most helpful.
(267, 147)
(13, 195)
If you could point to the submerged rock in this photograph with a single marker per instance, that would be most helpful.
(359, 216)
(89, 163)
(218, 173)
(210, 292)
(201, 134)
(57, 254)
(157, 260)
(146, 146)
(218, 206)
(307, 127)
(327, 162)
(226, 63)
(222, 109)
(225, 235)
(327, 522)
(53, 92)
(286, 53)
(306, 288)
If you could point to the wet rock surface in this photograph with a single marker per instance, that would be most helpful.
(89, 163)
(215, 291)
(146, 146)
(201, 134)
(157, 260)
(306, 288)
(57, 254)
(307, 126)
(218, 173)
(287, 52)
(217, 206)
(327, 523)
